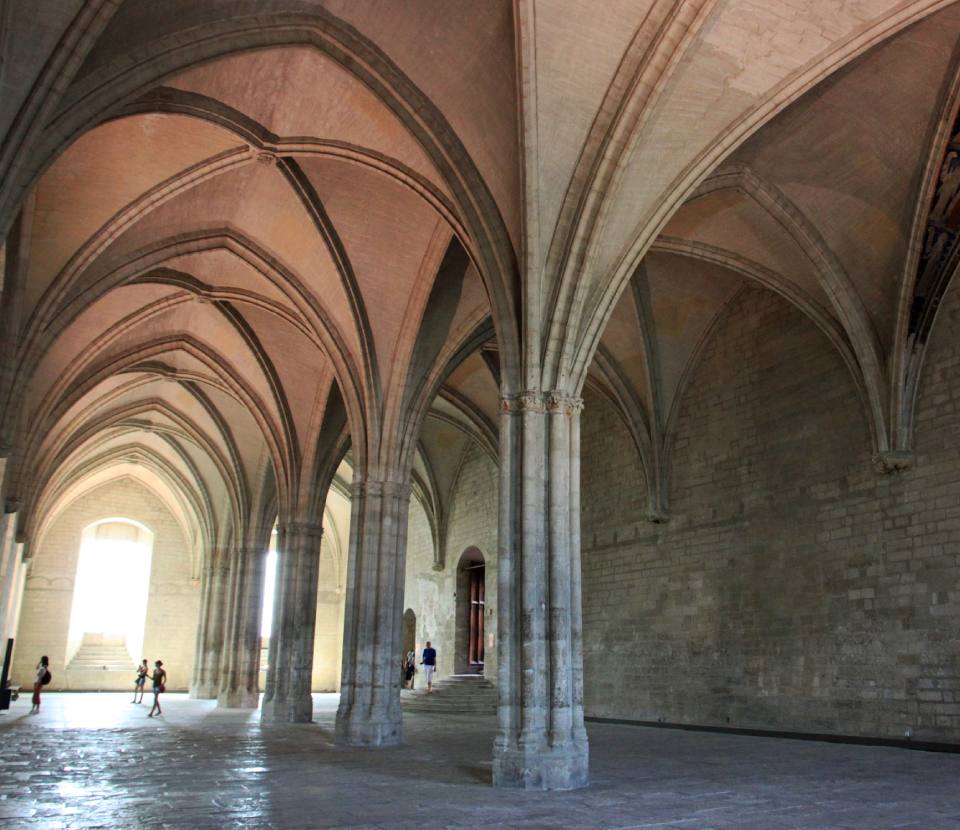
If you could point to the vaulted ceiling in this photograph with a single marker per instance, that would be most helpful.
(243, 236)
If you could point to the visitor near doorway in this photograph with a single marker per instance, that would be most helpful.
(410, 669)
(429, 662)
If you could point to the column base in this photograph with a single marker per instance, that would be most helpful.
(239, 699)
(287, 710)
(353, 730)
(547, 768)
(204, 691)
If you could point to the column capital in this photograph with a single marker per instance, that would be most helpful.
(309, 529)
(535, 401)
(564, 404)
(374, 487)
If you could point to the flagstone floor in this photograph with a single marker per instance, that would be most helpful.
(97, 761)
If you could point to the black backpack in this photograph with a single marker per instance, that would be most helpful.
(47, 677)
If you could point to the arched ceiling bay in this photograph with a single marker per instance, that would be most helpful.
(268, 201)
(230, 272)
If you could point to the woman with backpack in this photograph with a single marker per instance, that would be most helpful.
(41, 680)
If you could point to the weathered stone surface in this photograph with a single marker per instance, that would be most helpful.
(81, 764)
(794, 587)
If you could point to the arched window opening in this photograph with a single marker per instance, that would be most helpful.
(471, 609)
(110, 596)
(266, 608)
(269, 588)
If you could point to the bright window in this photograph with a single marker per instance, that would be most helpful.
(269, 588)
(112, 587)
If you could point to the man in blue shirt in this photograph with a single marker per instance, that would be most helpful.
(429, 663)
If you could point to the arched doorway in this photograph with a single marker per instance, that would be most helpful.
(110, 596)
(409, 631)
(471, 594)
(409, 643)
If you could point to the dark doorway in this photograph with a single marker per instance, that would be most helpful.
(475, 634)
(408, 644)
(409, 631)
(471, 611)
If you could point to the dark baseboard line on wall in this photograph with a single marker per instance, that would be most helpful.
(862, 740)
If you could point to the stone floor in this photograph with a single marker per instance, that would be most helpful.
(96, 761)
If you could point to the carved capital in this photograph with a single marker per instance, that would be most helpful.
(380, 489)
(564, 404)
(534, 401)
(892, 461)
(529, 401)
(313, 530)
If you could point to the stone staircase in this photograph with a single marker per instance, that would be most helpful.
(105, 656)
(458, 694)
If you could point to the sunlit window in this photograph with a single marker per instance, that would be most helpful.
(112, 589)
(269, 588)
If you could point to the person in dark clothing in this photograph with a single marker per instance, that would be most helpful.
(410, 669)
(429, 663)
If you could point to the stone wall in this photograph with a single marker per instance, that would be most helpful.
(794, 587)
(431, 594)
(173, 601)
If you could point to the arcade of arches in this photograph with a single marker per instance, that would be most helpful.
(612, 347)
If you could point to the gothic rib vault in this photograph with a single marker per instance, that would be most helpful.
(245, 241)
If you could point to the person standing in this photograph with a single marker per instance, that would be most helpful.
(42, 679)
(429, 662)
(141, 680)
(410, 669)
(159, 685)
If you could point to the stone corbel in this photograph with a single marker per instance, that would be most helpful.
(892, 461)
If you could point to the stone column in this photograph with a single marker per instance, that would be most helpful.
(369, 713)
(9, 571)
(213, 609)
(541, 743)
(294, 620)
(240, 666)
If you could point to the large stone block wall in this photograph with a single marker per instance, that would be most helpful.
(173, 602)
(793, 587)
(432, 594)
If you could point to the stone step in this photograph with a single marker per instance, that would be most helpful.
(94, 657)
(464, 694)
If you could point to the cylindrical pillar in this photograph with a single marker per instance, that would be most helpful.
(369, 713)
(210, 634)
(541, 743)
(240, 665)
(294, 621)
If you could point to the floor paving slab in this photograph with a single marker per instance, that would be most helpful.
(96, 761)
